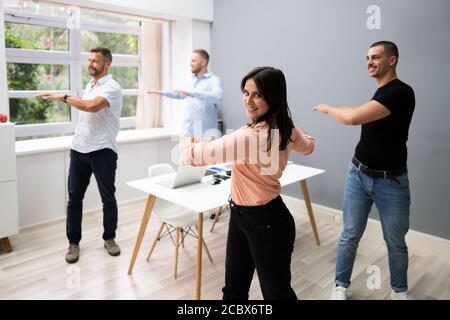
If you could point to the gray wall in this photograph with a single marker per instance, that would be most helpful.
(321, 47)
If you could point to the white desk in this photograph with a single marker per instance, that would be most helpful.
(202, 197)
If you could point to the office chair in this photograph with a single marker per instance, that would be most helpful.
(174, 218)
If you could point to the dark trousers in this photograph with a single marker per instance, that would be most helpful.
(260, 237)
(103, 163)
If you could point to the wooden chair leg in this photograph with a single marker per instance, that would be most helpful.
(216, 218)
(6, 244)
(207, 251)
(177, 244)
(155, 240)
(182, 237)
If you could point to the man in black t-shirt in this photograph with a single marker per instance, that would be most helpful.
(378, 171)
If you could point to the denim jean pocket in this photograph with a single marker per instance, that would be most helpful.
(399, 182)
(352, 169)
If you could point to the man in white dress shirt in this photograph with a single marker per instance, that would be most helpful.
(94, 150)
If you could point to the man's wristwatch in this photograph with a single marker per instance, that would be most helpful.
(65, 98)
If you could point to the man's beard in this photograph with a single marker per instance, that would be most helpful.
(196, 70)
(95, 72)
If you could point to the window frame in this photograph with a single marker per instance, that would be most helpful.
(74, 58)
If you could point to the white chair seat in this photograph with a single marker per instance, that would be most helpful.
(173, 217)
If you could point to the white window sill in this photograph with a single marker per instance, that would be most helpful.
(35, 146)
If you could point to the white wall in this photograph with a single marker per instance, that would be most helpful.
(201, 35)
(42, 187)
(186, 35)
(42, 179)
(181, 79)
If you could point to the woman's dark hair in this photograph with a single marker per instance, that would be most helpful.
(271, 84)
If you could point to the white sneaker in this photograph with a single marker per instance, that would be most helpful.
(405, 295)
(340, 293)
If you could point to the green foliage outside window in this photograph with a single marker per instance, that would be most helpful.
(24, 76)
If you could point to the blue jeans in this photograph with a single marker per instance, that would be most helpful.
(392, 198)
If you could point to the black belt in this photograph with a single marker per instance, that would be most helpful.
(377, 173)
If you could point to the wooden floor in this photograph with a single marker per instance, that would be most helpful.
(36, 269)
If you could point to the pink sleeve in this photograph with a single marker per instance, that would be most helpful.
(221, 150)
(303, 143)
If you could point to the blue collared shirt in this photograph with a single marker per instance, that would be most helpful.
(202, 107)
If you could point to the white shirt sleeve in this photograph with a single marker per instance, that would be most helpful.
(112, 92)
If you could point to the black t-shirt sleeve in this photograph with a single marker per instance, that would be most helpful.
(391, 98)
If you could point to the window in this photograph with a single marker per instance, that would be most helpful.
(47, 49)
(122, 43)
(25, 111)
(32, 76)
(27, 36)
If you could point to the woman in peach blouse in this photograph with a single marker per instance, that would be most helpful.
(261, 231)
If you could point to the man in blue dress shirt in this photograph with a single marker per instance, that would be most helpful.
(202, 101)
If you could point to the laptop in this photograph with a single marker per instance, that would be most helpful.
(185, 175)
